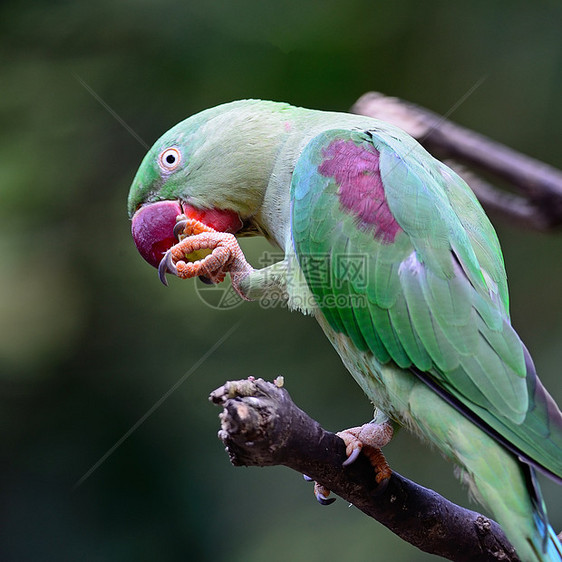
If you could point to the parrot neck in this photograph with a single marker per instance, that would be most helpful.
(299, 127)
(273, 216)
(269, 137)
(279, 133)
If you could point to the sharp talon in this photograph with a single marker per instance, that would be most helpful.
(324, 501)
(162, 270)
(166, 265)
(179, 228)
(206, 280)
(307, 478)
(381, 486)
(322, 493)
(353, 457)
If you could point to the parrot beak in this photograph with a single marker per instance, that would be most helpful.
(155, 229)
(152, 228)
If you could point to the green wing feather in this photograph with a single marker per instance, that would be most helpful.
(433, 299)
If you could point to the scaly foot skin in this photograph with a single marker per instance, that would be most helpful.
(226, 255)
(368, 438)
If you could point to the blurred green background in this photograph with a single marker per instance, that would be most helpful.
(90, 339)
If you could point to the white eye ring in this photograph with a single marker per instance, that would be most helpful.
(169, 159)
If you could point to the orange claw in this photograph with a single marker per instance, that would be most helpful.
(368, 438)
(226, 256)
(378, 462)
(188, 227)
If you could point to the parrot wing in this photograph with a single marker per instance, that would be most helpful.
(401, 258)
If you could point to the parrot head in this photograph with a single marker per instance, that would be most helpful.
(213, 167)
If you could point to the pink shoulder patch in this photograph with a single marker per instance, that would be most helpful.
(361, 191)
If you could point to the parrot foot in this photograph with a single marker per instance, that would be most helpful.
(226, 255)
(189, 227)
(321, 492)
(368, 438)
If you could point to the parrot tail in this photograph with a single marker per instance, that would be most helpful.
(547, 546)
(545, 543)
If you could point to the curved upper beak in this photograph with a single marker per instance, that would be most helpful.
(152, 228)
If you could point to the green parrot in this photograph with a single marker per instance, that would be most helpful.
(391, 252)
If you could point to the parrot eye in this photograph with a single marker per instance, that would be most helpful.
(169, 159)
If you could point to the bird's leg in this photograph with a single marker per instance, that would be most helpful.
(369, 439)
(226, 255)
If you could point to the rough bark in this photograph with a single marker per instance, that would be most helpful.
(261, 426)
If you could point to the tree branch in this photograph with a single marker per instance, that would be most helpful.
(537, 201)
(261, 426)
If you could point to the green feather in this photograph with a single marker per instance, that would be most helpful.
(436, 297)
